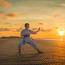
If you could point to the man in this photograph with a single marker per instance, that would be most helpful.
(25, 33)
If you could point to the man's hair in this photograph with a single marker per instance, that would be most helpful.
(26, 24)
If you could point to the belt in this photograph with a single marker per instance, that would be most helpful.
(26, 35)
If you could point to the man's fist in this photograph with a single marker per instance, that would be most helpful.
(39, 29)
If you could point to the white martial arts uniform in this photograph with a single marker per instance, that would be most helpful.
(27, 39)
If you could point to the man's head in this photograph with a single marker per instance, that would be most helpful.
(27, 25)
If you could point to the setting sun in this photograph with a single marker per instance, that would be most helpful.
(61, 32)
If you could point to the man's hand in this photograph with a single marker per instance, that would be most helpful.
(38, 29)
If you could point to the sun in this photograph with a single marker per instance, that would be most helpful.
(61, 32)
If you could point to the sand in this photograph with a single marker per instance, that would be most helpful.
(53, 52)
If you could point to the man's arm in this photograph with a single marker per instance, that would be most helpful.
(34, 32)
(43, 30)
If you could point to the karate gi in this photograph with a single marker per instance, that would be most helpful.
(27, 39)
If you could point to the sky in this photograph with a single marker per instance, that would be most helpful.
(46, 14)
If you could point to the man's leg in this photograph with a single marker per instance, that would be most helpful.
(20, 45)
(35, 46)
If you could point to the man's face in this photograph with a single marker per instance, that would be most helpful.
(27, 26)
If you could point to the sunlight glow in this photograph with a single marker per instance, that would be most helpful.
(61, 39)
(61, 32)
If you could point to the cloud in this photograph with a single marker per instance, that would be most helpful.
(2, 16)
(53, 9)
(4, 3)
(9, 16)
(47, 30)
(58, 15)
(4, 29)
(7, 23)
(40, 23)
(13, 15)
(63, 4)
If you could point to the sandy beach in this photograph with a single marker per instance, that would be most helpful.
(53, 52)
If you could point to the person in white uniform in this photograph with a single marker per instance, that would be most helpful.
(25, 33)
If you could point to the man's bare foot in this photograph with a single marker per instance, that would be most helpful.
(39, 51)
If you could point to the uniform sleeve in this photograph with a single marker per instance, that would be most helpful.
(22, 33)
(32, 32)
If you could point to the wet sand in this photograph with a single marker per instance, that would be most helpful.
(54, 53)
